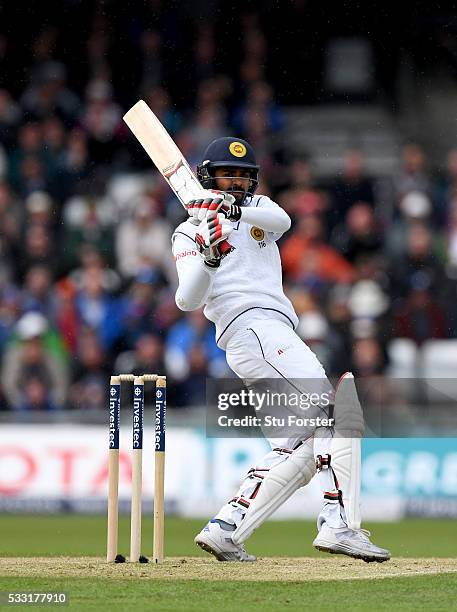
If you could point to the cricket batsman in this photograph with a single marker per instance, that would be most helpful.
(242, 294)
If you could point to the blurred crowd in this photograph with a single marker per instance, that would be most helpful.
(87, 278)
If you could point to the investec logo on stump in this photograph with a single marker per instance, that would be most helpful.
(138, 417)
(159, 441)
(114, 416)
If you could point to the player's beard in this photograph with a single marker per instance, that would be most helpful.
(239, 195)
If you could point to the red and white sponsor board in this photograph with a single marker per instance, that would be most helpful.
(69, 463)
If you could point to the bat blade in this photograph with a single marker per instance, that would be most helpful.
(165, 154)
(162, 150)
(153, 137)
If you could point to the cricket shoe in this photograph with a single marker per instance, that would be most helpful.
(352, 542)
(215, 538)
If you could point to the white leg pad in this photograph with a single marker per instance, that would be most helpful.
(345, 448)
(278, 485)
(346, 460)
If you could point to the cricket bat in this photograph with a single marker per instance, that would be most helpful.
(166, 156)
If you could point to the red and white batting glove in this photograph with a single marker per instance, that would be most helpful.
(212, 231)
(213, 200)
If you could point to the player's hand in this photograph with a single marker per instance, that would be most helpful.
(212, 231)
(213, 200)
(228, 208)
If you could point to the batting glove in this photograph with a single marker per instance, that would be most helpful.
(210, 238)
(228, 208)
(213, 200)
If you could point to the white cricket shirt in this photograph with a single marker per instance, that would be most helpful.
(248, 283)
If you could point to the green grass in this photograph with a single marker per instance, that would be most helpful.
(86, 535)
(414, 593)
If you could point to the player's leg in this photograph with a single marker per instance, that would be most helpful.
(337, 451)
(338, 462)
(266, 487)
(290, 464)
(285, 470)
(338, 458)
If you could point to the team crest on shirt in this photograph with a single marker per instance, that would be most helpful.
(237, 149)
(257, 233)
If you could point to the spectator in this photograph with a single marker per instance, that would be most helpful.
(166, 314)
(3, 162)
(314, 329)
(38, 249)
(192, 390)
(420, 316)
(419, 265)
(204, 53)
(11, 221)
(253, 64)
(351, 187)
(38, 294)
(89, 226)
(309, 261)
(414, 207)
(10, 305)
(43, 49)
(54, 138)
(90, 257)
(32, 176)
(446, 190)
(151, 62)
(48, 95)
(36, 396)
(360, 265)
(360, 235)
(90, 374)
(75, 163)
(65, 314)
(260, 103)
(452, 240)
(139, 306)
(339, 320)
(159, 101)
(97, 309)
(192, 331)
(101, 119)
(98, 47)
(369, 308)
(29, 148)
(10, 118)
(35, 354)
(209, 125)
(146, 357)
(40, 211)
(143, 242)
(299, 194)
(368, 358)
(413, 175)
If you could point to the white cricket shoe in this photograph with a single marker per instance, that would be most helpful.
(352, 542)
(215, 538)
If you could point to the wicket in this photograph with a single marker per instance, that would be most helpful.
(137, 458)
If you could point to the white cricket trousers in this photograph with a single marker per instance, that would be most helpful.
(270, 349)
(267, 349)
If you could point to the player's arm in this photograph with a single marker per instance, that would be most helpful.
(267, 215)
(195, 281)
(194, 278)
(198, 260)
